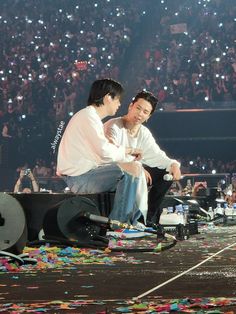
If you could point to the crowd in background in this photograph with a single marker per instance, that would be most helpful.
(50, 55)
(41, 176)
(52, 52)
(206, 165)
(192, 59)
(45, 173)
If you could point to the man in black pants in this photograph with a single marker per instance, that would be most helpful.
(129, 131)
(157, 192)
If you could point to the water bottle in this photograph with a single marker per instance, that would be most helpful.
(164, 211)
(186, 211)
(170, 210)
(211, 213)
(180, 214)
(218, 210)
(179, 209)
(234, 209)
(227, 209)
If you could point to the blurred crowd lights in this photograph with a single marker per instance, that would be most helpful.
(192, 163)
(118, 12)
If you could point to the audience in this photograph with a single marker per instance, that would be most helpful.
(207, 165)
(51, 53)
(192, 59)
(26, 182)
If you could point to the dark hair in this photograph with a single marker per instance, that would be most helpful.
(148, 96)
(101, 88)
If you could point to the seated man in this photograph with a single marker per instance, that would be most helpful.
(89, 163)
(129, 131)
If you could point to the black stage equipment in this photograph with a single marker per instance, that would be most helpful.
(65, 219)
(40, 207)
(71, 222)
(13, 228)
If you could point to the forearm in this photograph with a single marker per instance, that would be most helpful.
(17, 186)
(35, 186)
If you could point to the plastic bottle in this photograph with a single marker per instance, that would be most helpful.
(180, 214)
(164, 211)
(211, 213)
(227, 209)
(170, 210)
(186, 212)
(234, 209)
(218, 210)
(179, 209)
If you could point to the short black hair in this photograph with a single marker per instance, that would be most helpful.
(148, 96)
(101, 88)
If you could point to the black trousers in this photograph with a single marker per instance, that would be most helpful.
(157, 192)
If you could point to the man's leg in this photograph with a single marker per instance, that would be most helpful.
(112, 177)
(157, 192)
(125, 208)
(98, 180)
(141, 194)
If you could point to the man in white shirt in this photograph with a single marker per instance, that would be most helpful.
(128, 131)
(89, 163)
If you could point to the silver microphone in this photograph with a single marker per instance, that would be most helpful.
(168, 177)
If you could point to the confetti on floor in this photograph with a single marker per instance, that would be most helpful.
(60, 266)
(187, 305)
(47, 257)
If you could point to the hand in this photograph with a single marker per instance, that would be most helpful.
(135, 152)
(148, 177)
(175, 171)
(30, 175)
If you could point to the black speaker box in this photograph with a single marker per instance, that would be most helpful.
(40, 207)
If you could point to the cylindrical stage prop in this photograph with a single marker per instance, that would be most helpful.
(72, 222)
(13, 228)
(69, 221)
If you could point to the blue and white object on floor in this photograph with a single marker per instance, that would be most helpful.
(128, 233)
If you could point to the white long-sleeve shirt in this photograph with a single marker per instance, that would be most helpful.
(153, 156)
(84, 146)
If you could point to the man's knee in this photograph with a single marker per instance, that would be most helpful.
(133, 168)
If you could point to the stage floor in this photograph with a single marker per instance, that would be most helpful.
(109, 282)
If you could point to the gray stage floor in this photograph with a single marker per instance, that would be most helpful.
(109, 288)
